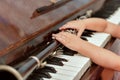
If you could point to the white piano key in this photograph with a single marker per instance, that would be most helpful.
(63, 67)
(74, 61)
(61, 77)
(79, 62)
(61, 72)
(49, 79)
(74, 72)
(114, 18)
(65, 72)
(82, 70)
(99, 39)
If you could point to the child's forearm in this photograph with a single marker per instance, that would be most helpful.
(96, 24)
(99, 55)
(101, 25)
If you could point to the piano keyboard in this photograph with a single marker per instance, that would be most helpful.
(110, 11)
(76, 65)
(114, 18)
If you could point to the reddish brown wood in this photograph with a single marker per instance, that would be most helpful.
(19, 34)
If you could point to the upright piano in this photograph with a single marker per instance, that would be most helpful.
(27, 50)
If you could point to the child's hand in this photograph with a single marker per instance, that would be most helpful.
(69, 40)
(77, 24)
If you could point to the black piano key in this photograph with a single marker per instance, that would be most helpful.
(83, 38)
(60, 59)
(108, 12)
(46, 69)
(69, 52)
(90, 31)
(86, 34)
(51, 69)
(57, 59)
(54, 61)
(41, 74)
(34, 77)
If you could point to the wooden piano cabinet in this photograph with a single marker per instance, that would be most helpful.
(95, 71)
